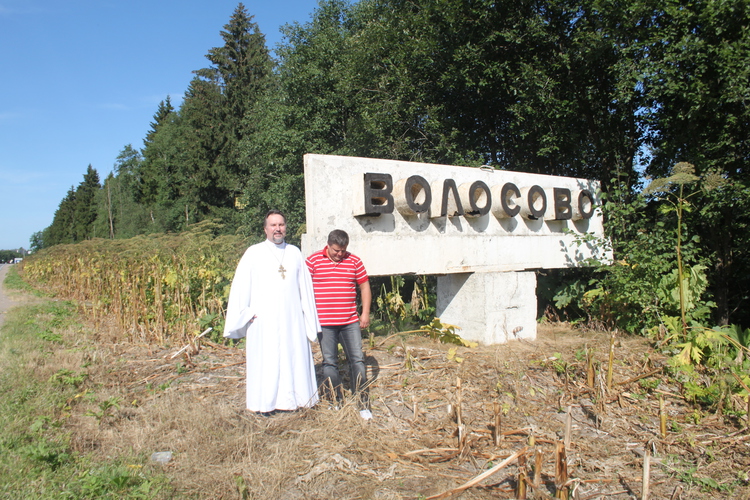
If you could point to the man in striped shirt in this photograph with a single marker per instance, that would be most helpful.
(335, 276)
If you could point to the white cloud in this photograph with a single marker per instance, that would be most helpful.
(20, 177)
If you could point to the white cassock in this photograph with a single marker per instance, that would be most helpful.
(280, 369)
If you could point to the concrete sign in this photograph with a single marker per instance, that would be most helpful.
(418, 218)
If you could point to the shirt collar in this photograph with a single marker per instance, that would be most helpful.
(325, 254)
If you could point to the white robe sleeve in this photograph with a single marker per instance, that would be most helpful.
(307, 297)
(239, 314)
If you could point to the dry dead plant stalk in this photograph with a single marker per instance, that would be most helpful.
(590, 371)
(641, 376)
(662, 418)
(459, 402)
(496, 427)
(462, 437)
(568, 427)
(480, 477)
(646, 474)
(611, 360)
(521, 478)
(538, 461)
(561, 471)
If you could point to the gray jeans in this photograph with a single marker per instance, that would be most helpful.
(350, 337)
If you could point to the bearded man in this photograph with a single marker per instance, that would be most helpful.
(272, 305)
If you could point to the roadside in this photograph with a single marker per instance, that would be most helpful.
(5, 301)
(42, 378)
(436, 409)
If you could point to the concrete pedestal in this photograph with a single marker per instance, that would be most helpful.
(490, 308)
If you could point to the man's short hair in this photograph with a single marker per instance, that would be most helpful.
(339, 238)
(273, 212)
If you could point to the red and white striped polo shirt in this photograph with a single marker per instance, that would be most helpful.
(335, 287)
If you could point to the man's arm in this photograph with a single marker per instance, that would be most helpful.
(366, 294)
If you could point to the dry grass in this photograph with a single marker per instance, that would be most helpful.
(193, 406)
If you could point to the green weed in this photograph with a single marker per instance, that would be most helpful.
(68, 377)
(36, 459)
(106, 408)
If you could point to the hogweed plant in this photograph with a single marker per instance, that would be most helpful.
(672, 191)
(657, 285)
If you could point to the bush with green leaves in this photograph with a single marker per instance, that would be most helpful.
(658, 285)
(658, 268)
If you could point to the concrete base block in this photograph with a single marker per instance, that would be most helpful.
(490, 308)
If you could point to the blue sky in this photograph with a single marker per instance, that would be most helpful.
(83, 78)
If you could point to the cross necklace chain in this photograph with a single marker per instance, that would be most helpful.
(281, 269)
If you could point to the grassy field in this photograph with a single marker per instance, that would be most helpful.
(43, 378)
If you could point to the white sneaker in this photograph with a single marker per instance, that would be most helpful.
(365, 414)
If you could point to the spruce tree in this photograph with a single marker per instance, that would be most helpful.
(241, 69)
(61, 229)
(85, 205)
(162, 112)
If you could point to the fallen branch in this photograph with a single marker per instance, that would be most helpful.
(480, 477)
(643, 375)
(227, 366)
(191, 343)
(437, 451)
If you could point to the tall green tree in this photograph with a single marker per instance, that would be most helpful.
(220, 106)
(104, 224)
(122, 192)
(697, 77)
(192, 168)
(61, 229)
(118, 214)
(159, 174)
(314, 69)
(85, 205)
(164, 110)
(540, 87)
(74, 218)
(302, 109)
(241, 68)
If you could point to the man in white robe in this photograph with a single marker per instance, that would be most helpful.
(272, 304)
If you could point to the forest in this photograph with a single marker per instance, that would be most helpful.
(649, 97)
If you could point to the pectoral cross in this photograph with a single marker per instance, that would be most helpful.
(282, 271)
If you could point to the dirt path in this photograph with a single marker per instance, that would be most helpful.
(5, 301)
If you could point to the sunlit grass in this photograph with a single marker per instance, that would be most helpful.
(36, 459)
(14, 282)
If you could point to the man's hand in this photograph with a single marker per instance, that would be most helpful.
(366, 295)
(364, 322)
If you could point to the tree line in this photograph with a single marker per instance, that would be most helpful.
(618, 91)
